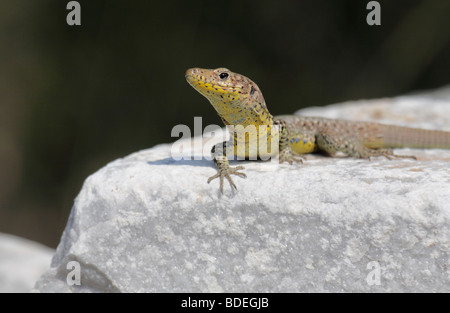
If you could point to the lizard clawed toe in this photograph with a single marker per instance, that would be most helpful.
(225, 173)
(388, 154)
(396, 156)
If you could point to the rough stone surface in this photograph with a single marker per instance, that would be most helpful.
(22, 262)
(148, 223)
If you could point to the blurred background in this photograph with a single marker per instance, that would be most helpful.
(75, 98)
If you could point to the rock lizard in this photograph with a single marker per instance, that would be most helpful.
(239, 101)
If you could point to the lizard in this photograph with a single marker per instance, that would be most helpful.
(239, 101)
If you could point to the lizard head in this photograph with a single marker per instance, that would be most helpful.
(234, 96)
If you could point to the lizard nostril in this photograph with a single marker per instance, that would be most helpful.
(192, 71)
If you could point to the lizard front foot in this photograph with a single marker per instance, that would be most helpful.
(287, 155)
(225, 172)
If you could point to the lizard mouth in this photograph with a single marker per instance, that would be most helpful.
(194, 78)
(191, 77)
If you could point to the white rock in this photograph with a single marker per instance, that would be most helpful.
(147, 223)
(22, 262)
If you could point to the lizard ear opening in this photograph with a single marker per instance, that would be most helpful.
(252, 91)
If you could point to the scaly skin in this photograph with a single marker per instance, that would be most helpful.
(239, 101)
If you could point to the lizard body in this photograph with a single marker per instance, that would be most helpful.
(239, 101)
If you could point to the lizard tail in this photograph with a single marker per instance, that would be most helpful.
(401, 137)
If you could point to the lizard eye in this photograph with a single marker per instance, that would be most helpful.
(223, 75)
